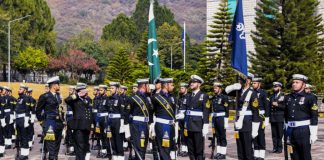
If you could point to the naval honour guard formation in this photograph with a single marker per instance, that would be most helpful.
(151, 115)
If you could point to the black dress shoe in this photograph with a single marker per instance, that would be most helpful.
(221, 156)
(279, 151)
(216, 156)
(8, 147)
(1, 154)
(274, 151)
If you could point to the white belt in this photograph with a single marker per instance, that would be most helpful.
(195, 113)
(20, 115)
(164, 121)
(94, 110)
(140, 119)
(7, 110)
(261, 111)
(69, 113)
(298, 123)
(102, 114)
(220, 114)
(114, 116)
(247, 113)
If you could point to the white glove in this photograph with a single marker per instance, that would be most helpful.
(255, 129)
(266, 122)
(26, 122)
(12, 117)
(180, 116)
(122, 126)
(313, 133)
(233, 87)
(285, 126)
(152, 130)
(3, 122)
(205, 129)
(127, 131)
(32, 118)
(176, 129)
(239, 123)
(225, 123)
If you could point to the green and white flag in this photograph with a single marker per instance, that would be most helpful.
(152, 49)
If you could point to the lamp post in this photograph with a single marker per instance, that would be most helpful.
(9, 45)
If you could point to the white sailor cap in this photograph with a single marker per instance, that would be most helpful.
(23, 86)
(123, 87)
(7, 88)
(80, 86)
(135, 85)
(195, 78)
(72, 87)
(158, 80)
(29, 90)
(309, 86)
(276, 84)
(166, 80)
(218, 84)
(53, 80)
(256, 79)
(184, 85)
(96, 87)
(103, 86)
(250, 75)
(114, 84)
(299, 77)
(143, 81)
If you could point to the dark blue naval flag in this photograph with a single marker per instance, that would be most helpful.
(237, 39)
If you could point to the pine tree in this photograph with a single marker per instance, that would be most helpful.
(215, 63)
(287, 41)
(119, 68)
(268, 61)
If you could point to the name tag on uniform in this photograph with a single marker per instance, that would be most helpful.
(220, 101)
(116, 102)
(201, 98)
(185, 101)
(302, 100)
(172, 99)
(281, 98)
(104, 102)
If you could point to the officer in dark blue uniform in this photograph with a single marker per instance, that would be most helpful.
(196, 119)
(51, 119)
(2, 126)
(124, 103)
(101, 122)
(80, 104)
(247, 119)
(277, 107)
(182, 104)
(220, 113)
(69, 133)
(301, 119)
(163, 127)
(140, 111)
(95, 133)
(8, 110)
(32, 106)
(22, 111)
(264, 113)
(115, 123)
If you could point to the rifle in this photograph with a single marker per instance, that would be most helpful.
(136, 151)
(212, 144)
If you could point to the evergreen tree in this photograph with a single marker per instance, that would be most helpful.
(215, 63)
(162, 14)
(119, 68)
(288, 41)
(121, 28)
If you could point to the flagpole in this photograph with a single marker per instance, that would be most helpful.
(184, 46)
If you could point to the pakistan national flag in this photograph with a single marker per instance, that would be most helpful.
(152, 49)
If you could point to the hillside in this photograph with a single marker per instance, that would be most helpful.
(73, 16)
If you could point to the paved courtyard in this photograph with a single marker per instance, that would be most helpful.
(317, 148)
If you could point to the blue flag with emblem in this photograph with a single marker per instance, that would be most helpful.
(238, 41)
